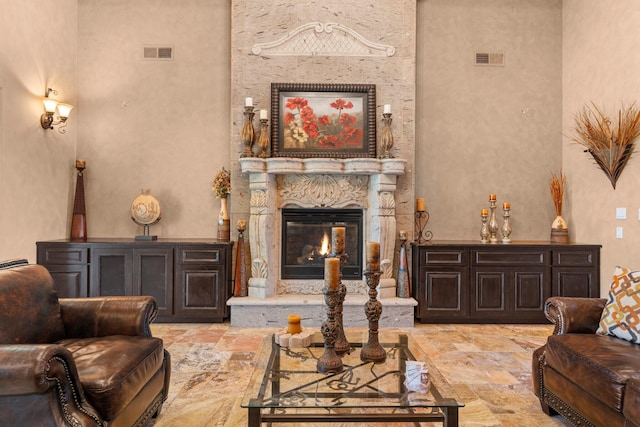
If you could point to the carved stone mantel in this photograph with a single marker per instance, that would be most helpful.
(279, 182)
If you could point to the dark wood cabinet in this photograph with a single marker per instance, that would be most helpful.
(190, 279)
(468, 282)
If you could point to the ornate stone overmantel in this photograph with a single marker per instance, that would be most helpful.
(276, 183)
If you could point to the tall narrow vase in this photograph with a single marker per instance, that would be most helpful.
(224, 228)
(79, 218)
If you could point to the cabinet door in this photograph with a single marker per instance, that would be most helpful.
(575, 282)
(153, 275)
(530, 290)
(70, 281)
(200, 293)
(442, 293)
(111, 271)
(489, 287)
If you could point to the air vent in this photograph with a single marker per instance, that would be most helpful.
(157, 53)
(490, 59)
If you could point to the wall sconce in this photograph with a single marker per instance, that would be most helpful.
(48, 119)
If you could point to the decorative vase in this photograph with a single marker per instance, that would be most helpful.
(224, 228)
(559, 230)
(79, 218)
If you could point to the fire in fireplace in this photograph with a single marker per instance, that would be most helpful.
(306, 241)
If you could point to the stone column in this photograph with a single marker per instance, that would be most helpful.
(262, 235)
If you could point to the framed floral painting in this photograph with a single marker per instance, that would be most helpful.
(323, 120)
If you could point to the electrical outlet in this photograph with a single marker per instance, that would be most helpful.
(618, 232)
(621, 213)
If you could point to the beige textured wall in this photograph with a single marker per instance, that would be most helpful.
(37, 50)
(379, 21)
(160, 125)
(483, 130)
(601, 63)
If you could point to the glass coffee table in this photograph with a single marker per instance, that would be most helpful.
(286, 387)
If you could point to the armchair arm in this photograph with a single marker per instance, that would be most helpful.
(103, 316)
(48, 373)
(574, 315)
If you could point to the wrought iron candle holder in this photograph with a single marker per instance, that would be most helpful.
(506, 227)
(330, 362)
(372, 351)
(342, 345)
(263, 139)
(386, 137)
(248, 132)
(422, 235)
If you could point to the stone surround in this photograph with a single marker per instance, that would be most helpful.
(276, 183)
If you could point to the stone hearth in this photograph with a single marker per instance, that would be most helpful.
(276, 183)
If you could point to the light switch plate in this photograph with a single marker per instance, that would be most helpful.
(618, 232)
(621, 213)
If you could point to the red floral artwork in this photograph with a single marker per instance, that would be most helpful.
(337, 127)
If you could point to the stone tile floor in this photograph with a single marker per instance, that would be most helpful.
(489, 366)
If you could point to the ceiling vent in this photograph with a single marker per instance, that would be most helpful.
(157, 53)
(490, 59)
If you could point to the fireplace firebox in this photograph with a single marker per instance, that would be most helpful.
(306, 242)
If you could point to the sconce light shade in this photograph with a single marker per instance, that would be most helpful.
(50, 104)
(64, 110)
(47, 120)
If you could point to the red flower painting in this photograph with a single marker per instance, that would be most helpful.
(337, 126)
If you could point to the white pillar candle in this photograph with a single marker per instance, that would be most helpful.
(248, 102)
(263, 114)
(387, 109)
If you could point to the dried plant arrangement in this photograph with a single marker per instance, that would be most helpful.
(611, 146)
(556, 185)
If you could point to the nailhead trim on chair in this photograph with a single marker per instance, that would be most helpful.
(568, 413)
(63, 399)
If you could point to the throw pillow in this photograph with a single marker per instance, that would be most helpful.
(621, 314)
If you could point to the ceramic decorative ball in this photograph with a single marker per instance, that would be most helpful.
(145, 209)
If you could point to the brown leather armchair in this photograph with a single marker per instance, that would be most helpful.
(76, 362)
(589, 379)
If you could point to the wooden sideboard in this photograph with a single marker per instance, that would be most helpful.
(190, 279)
(471, 282)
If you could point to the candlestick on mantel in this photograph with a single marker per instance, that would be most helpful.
(332, 273)
(373, 256)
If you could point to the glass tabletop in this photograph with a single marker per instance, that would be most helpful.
(287, 377)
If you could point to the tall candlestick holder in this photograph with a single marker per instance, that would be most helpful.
(330, 362)
(421, 220)
(484, 229)
(493, 223)
(263, 139)
(241, 280)
(248, 132)
(372, 351)
(342, 345)
(506, 227)
(386, 137)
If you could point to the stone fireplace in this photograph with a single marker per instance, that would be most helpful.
(365, 184)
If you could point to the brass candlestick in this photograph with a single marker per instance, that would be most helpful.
(330, 362)
(263, 139)
(248, 132)
(506, 227)
(372, 351)
(493, 222)
(386, 137)
(484, 229)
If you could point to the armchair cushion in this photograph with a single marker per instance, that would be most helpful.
(621, 315)
(30, 311)
(114, 369)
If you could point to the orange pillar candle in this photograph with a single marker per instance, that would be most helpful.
(484, 212)
(332, 272)
(421, 206)
(337, 239)
(293, 326)
(492, 197)
(506, 206)
(373, 256)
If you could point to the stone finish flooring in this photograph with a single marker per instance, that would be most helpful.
(489, 366)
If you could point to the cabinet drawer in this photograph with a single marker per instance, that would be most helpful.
(200, 255)
(508, 257)
(443, 257)
(63, 255)
(573, 258)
